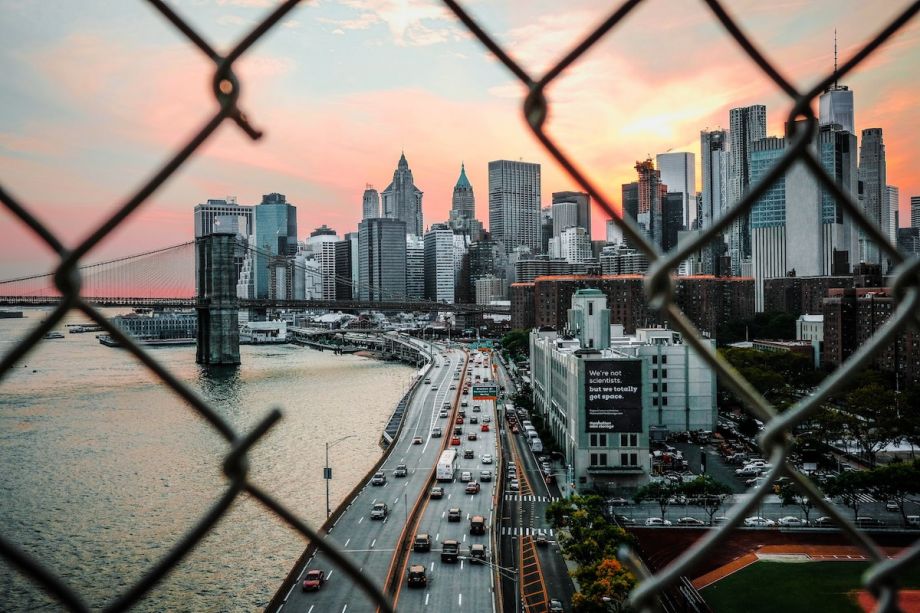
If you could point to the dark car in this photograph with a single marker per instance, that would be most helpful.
(422, 542)
(472, 487)
(472, 436)
(468, 454)
(314, 580)
(453, 514)
(477, 524)
(477, 554)
(379, 478)
(401, 471)
(450, 550)
(417, 577)
(541, 540)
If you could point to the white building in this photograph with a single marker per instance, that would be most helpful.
(489, 289)
(415, 267)
(810, 328)
(600, 394)
(439, 263)
(575, 245)
(514, 204)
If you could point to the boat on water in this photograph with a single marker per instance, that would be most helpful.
(53, 335)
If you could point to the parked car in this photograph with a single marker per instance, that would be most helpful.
(472, 487)
(379, 478)
(400, 471)
(758, 522)
(437, 492)
(314, 580)
(825, 522)
(617, 501)
(625, 521)
(657, 521)
(690, 521)
(869, 522)
(790, 521)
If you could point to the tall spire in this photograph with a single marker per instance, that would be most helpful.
(835, 58)
(462, 181)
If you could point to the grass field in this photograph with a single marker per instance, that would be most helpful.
(805, 587)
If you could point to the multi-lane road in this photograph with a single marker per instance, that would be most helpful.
(371, 543)
(461, 585)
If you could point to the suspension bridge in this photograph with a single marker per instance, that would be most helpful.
(165, 278)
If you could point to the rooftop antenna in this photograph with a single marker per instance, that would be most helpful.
(835, 58)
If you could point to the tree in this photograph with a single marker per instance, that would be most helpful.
(848, 486)
(523, 398)
(910, 419)
(895, 482)
(870, 418)
(588, 535)
(517, 343)
(706, 492)
(791, 493)
(658, 491)
(603, 586)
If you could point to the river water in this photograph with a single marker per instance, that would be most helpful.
(102, 468)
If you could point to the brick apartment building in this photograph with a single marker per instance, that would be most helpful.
(708, 301)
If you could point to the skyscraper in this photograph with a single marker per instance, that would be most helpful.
(747, 126)
(835, 105)
(582, 202)
(873, 175)
(402, 200)
(276, 234)
(651, 195)
(462, 219)
(715, 162)
(439, 263)
(915, 211)
(565, 215)
(678, 172)
(672, 218)
(514, 204)
(415, 267)
(894, 195)
(371, 203)
(631, 206)
(382, 260)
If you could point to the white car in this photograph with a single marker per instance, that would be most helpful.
(790, 521)
(465, 477)
(758, 522)
(657, 521)
(486, 458)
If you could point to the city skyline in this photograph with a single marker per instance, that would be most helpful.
(62, 158)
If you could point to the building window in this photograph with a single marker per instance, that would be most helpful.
(654, 401)
(664, 387)
(654, 387)
(590, 309)
(629, 459)
(597, 440)
(664, 359)
(598, 459)
(664, 372)
(629, 440)
(654, 359)
(664, 401)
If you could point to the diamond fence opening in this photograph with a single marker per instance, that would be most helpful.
(881, 579)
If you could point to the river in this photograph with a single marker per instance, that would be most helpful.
(102, 468)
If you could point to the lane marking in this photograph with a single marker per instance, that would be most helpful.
(289, 592)
(427, 594)
(374, 542)
(346, 543)
(330, 574)
(460, 596)
(360, 519)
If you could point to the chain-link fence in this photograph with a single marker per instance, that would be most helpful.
(882, 577)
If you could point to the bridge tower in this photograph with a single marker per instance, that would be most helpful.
(217, 303)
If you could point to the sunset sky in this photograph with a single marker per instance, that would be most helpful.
(96, 94)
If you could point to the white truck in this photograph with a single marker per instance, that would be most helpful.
(447, 465)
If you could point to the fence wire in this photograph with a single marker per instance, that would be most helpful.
(880, 580)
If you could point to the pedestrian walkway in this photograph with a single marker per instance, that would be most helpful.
(530, 498)
(516, 531)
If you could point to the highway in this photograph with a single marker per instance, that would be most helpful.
(461, 585)
(371, 543)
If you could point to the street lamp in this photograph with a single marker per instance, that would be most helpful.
(327, 471)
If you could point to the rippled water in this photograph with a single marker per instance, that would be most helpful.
(102, 468)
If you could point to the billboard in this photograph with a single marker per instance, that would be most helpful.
(613, 396)
(486, 391)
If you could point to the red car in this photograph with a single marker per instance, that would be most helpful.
(514, 430)
(460, 420)
(484, 428)
(472, 487)
(455, 440)
(314, 580)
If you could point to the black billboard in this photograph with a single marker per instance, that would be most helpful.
(613, 396)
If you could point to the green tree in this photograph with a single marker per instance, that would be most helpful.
(848, 486)
(791, 493)
(707, 493)
(603, 586)
(588, 535)
(870, 419)
(523, 398)
(661, 492)
(517, 343)
(895, 482)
